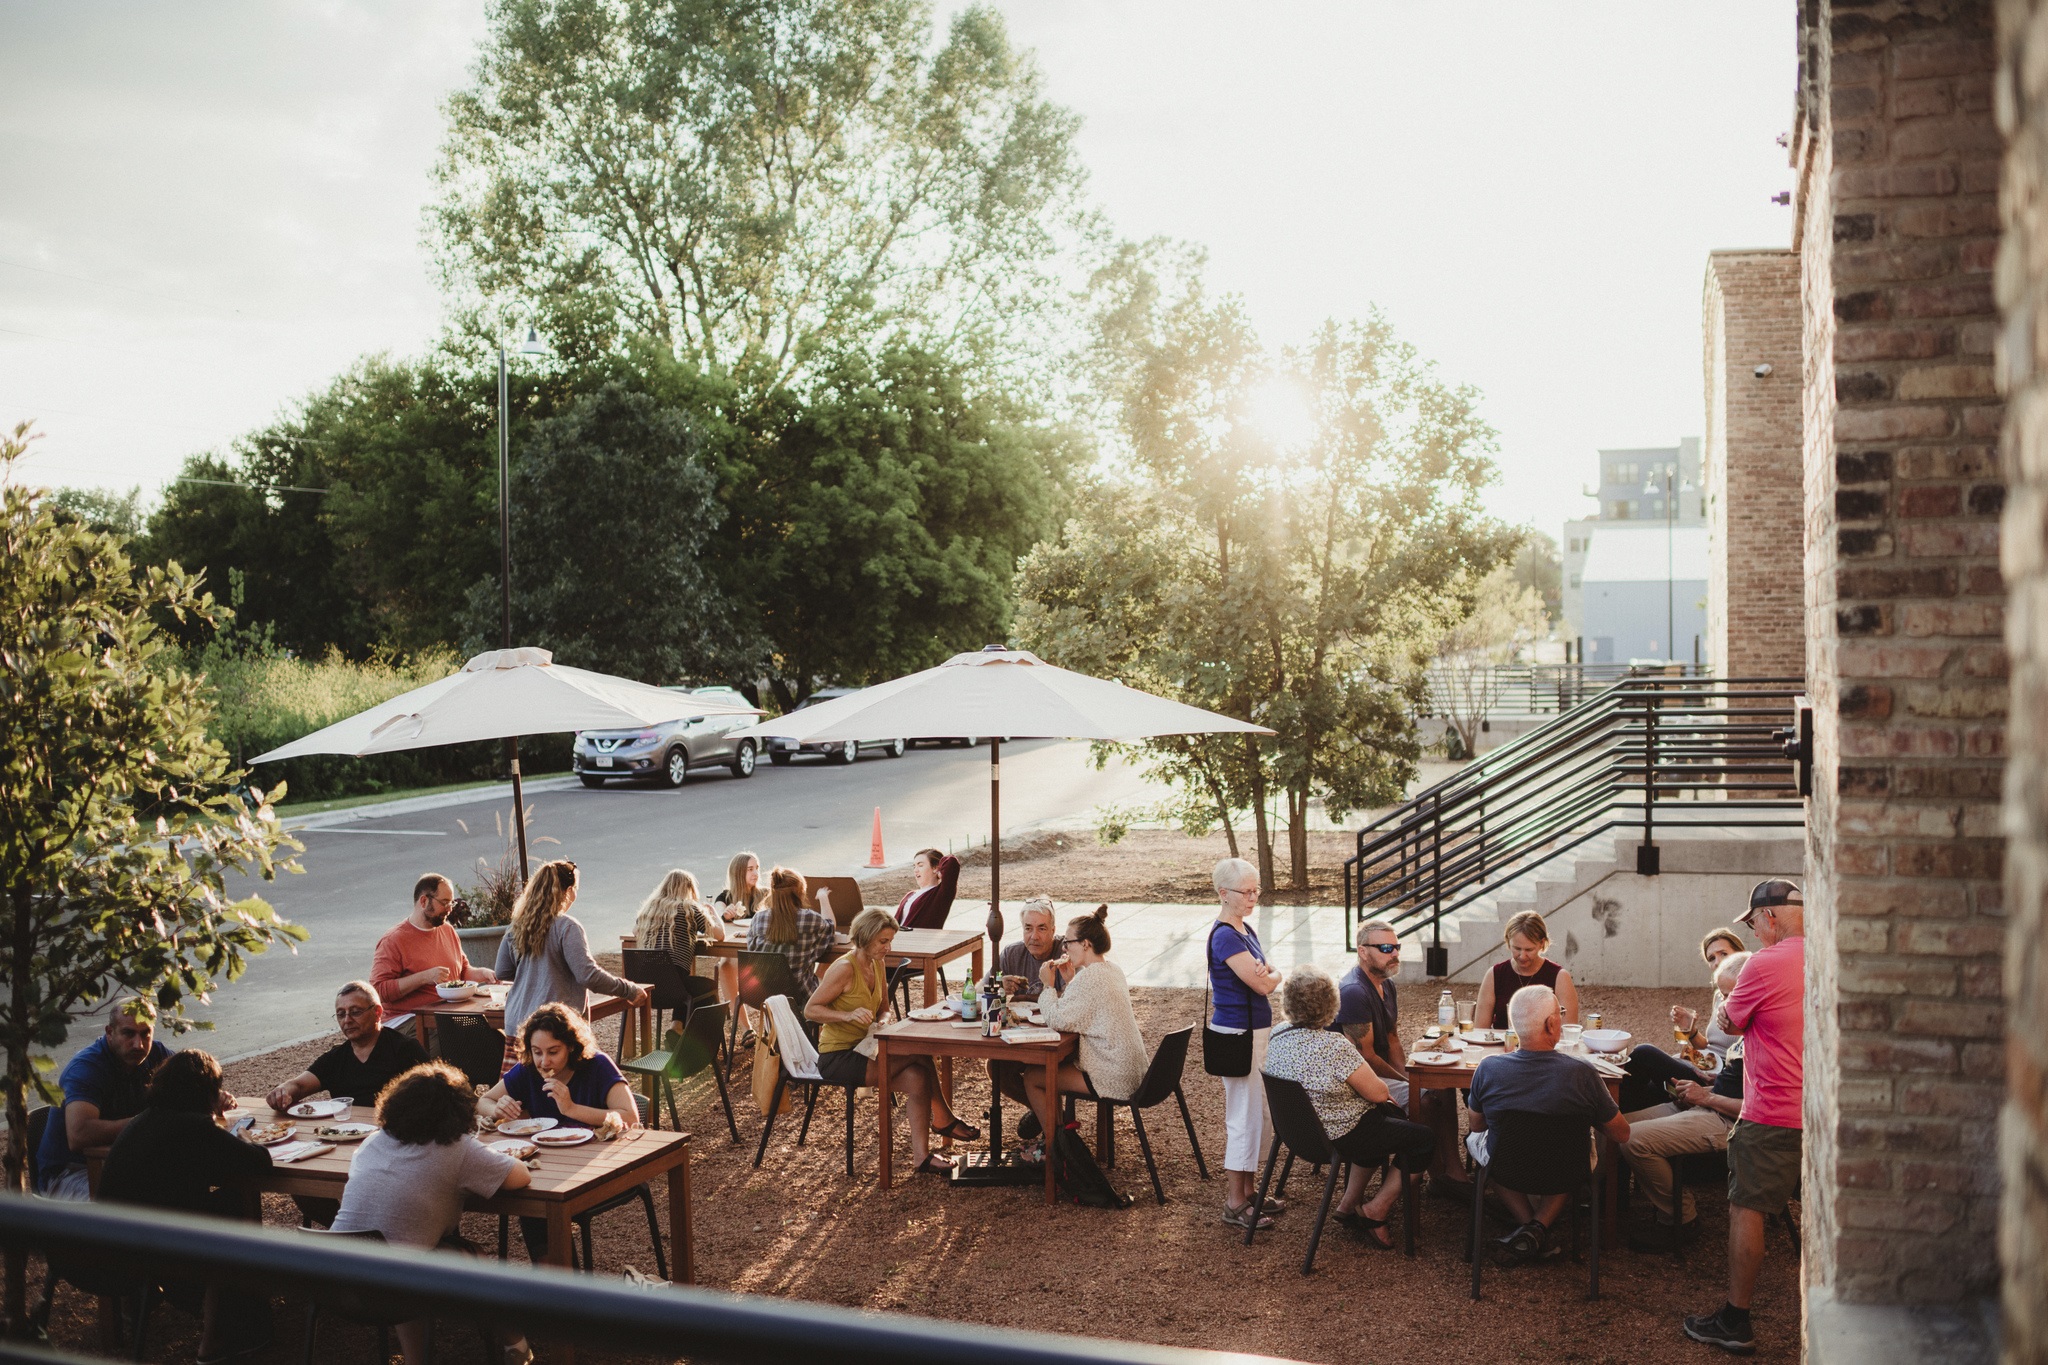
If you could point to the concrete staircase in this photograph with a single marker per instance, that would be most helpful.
(1612, 927)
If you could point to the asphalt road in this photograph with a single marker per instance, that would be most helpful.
(811, 815)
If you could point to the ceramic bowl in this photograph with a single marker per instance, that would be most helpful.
(1607, 1039)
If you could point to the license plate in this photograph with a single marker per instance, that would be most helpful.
(604, 760)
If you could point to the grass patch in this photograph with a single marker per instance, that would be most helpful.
(371, 798)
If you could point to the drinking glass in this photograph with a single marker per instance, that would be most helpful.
(1571, 1040)
(1465, 1009)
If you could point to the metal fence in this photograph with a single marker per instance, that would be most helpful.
(1534, 689)
(547, 1304)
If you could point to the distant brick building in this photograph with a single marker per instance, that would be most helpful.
(1756, 609)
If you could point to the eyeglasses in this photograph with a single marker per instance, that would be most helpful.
(358, 1012)
(1388, 948)
(1251, 891)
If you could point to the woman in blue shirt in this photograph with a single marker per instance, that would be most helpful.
(1239, 982)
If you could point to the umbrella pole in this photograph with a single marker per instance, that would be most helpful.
(518, 806)
(995, 826)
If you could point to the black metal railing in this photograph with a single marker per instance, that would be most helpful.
(1533, 689)
(549, 1305)
(1644, 754)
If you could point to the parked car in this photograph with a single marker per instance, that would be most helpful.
(668, 753)
(781, 750)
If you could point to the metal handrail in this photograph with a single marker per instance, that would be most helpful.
(1677, 751)
(542, 1302)
(1535, 689)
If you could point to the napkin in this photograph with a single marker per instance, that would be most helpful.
(289, 1152)
(1031, 1035)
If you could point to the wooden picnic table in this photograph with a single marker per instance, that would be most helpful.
(942, 1041)
(926, 949)
(1458, 1076)
(489, 1003)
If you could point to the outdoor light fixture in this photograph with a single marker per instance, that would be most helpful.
(1762, 371)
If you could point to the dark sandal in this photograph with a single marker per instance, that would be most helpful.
(931, 1165)
(958, 1131)
(1363, 1227)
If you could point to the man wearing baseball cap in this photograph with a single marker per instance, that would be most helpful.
(1767, 1007)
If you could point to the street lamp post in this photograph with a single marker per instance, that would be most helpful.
(531, 346)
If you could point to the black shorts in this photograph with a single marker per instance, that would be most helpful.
(844, 1067)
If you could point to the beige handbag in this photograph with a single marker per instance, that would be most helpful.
(768, 1069)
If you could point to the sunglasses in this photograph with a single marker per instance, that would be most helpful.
(1388, 948)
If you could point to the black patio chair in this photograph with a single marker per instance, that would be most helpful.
(1538, 1155)
(1298, 1128)
(786, 1078)
(354, 1306)
(672, 989)
(762, 976)
(688, 1050)
(472, 1045)
(1162, 1081)
(639, 1194)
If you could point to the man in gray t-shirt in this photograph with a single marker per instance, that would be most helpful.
(1537, 1079)
(1019, 965)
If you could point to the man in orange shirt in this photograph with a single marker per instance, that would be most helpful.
(421, 951)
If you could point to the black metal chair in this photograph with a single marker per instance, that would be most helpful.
(689, 1049)
(355, 1307)
(1298, 1128)
(639, 1194)
(672, 989)
(1162, 1081)
(1538, 1155)
(472, 1045)
(812, 1085)
(762, 976)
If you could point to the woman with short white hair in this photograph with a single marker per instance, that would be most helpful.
(1239, 982)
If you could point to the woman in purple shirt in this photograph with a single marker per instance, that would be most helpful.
(1239, 982)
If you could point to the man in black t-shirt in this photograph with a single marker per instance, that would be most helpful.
(368, 1057)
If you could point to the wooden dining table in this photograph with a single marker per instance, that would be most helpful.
(942, 1042)
(1458, 1076)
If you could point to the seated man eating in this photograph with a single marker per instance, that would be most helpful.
(1536, 1079)
(368, 1057)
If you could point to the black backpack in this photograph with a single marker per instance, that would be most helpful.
(1080, 1179)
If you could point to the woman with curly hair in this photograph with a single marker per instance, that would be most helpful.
(546, 954)
(565, 1078)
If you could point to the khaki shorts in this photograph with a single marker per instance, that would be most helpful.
(1763, 1165)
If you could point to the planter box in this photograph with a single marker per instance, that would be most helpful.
(480, 945)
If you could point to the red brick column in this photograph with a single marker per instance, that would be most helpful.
(1756, 626)
(1906, 663)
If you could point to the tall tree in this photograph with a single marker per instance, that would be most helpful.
(1294, 535)
(118, 838)
(754, 182)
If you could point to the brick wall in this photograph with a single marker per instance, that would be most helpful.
(1906, 663)
(2023, 365)
(1755, 608)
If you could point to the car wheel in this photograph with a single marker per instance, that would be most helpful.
(897, 748)
(677, 771)
(592, 780)
(779, 760)
(849, 752)
(743, 761)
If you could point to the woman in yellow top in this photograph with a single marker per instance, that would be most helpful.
(852, 996)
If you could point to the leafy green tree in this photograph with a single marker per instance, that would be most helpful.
(102, 509)
(118, 840)
(1506, 616)
(1540, 568)
(878, 531)
(754, 183)
(612, 507)
(1290, 572)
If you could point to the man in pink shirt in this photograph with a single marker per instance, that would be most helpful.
(421, 951)
(1768, 1009)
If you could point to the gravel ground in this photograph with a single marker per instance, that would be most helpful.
(798, 1228)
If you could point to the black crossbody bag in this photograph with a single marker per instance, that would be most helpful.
(1223, 1054)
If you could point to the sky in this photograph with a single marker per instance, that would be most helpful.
(210, 209)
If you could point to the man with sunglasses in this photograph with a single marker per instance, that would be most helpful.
(1366, 1010)
(1767, 1008)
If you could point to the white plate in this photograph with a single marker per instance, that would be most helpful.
(510, 1146)
(526, 1127)
(1433, 1059)
(343, 1132)
(566, 1137)
(1483, 1037)
(318, 1109)
(285, 1134)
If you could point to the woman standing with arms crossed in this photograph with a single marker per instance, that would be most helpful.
(1239, 982)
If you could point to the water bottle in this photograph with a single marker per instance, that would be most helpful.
(1447, 1013)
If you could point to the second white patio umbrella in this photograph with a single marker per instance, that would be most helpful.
(998, 691)
(503, 694)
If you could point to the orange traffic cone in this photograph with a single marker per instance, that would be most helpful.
(875, 847)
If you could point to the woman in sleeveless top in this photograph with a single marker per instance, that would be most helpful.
(1527, 936)
(853, 995)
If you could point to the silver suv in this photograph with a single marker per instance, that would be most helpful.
(669, 752)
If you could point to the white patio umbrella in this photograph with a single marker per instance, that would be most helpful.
(998, 691)
(503, 694)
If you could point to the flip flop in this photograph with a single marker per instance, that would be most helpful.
(1363, 1227)
(932, 1165)
(959, 1131)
